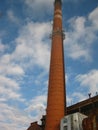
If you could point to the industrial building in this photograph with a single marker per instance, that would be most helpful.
(88, 107)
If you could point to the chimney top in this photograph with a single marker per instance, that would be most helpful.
(58, 1)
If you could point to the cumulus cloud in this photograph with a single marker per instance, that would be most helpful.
(93, 17)
(69, 100)
(2, 47)
(12, 17)
(41, 6)
(81, 36)
(32, 46)
(8, 67)
(31, 50)
(15, 118)
(9, 89)
(89, 80)
(36, 107)
(75, 98)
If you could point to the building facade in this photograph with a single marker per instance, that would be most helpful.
(89, 107)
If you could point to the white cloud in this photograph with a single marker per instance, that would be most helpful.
(10, 92)
(41, 6)
(78, 96)
(9, 68)
(9, 89)
(93, 17)
(89, 80)
(32, 49)
(81, 36)
(12, 117)
(2, 47)
(12, 17)
(7, 81)
(75, 97)
(69, 100)
(38, 101)
(37, 105)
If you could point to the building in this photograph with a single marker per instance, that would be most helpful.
(34, 126)
(86, 107)
(89, 107)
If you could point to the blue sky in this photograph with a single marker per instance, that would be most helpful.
(25, 26)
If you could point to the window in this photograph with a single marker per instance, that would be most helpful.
(65, 128)
(65, 120)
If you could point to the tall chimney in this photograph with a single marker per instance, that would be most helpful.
(56, 103)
